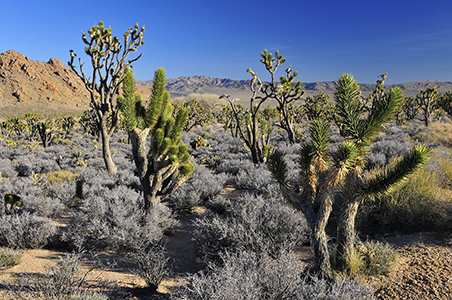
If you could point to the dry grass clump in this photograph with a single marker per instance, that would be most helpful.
(437, 132)
(58, 177)
(9, 258)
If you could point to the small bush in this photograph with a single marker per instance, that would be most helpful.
(254, 224)
(379, 258)
(114, 219)
(23, 169)
(24, 230)
(250, 276)
(218, 205)
(9, 258)
(423, 203)
(199, 188)
(152, 265)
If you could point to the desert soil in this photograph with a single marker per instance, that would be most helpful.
(423, 269)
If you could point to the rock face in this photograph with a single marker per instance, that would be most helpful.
(37, 86)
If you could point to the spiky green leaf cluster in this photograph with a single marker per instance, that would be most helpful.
(278, 166)
(362, 129)
(391, 178)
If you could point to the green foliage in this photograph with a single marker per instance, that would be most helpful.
(388, 180)
(370, 258)
(423, 203)
(197, 115)
(46, 132)
(198, 143)
(167, 164)
(12, 201)
(9, 258)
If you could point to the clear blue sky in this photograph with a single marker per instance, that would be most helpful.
(411, 40)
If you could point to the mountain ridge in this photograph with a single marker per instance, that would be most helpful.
(52, 87)
(179, 87)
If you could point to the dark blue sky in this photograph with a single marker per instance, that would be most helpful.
(410, 40)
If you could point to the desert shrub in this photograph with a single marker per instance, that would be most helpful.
(392, 144)
(379, 258)
(9, 258)
(256, 177)
(200, 187)
(63, 192)
(152, 265)
(250, 276)
(254, 224)
(45, 165)
(43, 205)
(7, 169)
(46, 200)
(370, 258)
(24, 230)
(114, 219)
(218, 205)
(23, 169)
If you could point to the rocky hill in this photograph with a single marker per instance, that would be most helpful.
(53, 88)
(27, 85)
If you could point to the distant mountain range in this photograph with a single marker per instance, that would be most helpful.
(184, 86)
(52, 87)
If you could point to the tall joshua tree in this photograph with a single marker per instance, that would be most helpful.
(250, 124)
(165, 166)
(360, 131)
(109, 59)
(323, 172)
(285, 92)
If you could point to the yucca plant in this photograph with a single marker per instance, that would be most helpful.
(166, 165)
(322, 172)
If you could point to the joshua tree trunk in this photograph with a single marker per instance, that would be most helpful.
(110, 165)
(138, 139)
(320, 240)
(317, 222)
(346, 235)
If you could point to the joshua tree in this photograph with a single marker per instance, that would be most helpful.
(250, 124)
(410, 107)
(360, 131)
(197, 115)
(166, 165)
(428, 102)
(46, 132)
(445, 102)
(286, 92)
(318, 106)
(322, 172)
(109, 59)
